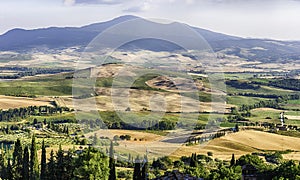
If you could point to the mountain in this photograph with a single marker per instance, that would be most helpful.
(63, 37)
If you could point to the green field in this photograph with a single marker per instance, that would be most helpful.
(293, 102)
(54, 85)
(273, 116)
(240, 100)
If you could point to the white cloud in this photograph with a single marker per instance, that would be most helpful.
(138, 8)
(69, 2)
(82, 2)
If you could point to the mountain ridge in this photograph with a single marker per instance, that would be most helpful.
(22, 40)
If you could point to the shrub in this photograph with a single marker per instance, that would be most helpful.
(209, 153)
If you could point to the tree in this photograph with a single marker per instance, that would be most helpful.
(17, 160)
(9, 170)
(51, 167)
(112, 168)
(162, 163)
(237, 128)
(43, 162)
(69, 164)
(34, 165)
(3, 165)
(137, 169)
(26, 164)
(287, 170)
(95, 139)
(209, 153)
(252, 160)
(232, 161)
(145, 168)
(59, 163)
(200, 171)
(91, 164)
(194, 160)
(223, 172)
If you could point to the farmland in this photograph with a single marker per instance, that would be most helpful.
(152, 120)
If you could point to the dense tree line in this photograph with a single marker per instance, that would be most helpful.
(241, 84)
(21, 113)
(244, 110)
(269, 104)
(205, 138)
(25, 71)
(292, 84)
(197, 165)
(22, 162)
(118, 124)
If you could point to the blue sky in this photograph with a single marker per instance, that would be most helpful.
(277, 19)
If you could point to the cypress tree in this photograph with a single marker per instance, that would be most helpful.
(43, 162)
(60, 163)
(26, 164)
(69, 164)
(51, 167)
(34, 165)
(2, 165)
(145, 169)
(129, 164)
(9, 170)
(193, 160)
(232, 161)
(17, 163)
(137, 169)
(237, 128)
(112, 166)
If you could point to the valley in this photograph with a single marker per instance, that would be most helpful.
(206, 113)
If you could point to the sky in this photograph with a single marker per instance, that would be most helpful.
(272, 19)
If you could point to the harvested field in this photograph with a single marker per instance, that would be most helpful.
(243, 142)
(7, 102)
(140, 100)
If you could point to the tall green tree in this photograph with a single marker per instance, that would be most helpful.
(43, 162)
(112, 165)
(59, 163)
(194, 160)
(2, 164)
(232, 161)
(69, 164)
(25, 171)
(137, 174)
(34, 164)
(10, 172)
(18, 160)
(237, 129)
(51, 167)
(145, 168)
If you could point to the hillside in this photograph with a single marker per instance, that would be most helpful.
(58, 38)
(240, 143)
(245, 142)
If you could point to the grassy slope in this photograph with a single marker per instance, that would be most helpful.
(53, 85)
(240, 100)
